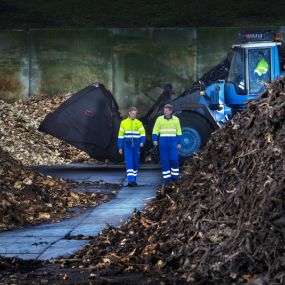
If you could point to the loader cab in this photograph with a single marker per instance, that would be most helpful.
(254, 64)
(250, 69)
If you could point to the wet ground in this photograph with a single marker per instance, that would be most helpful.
(53, 240)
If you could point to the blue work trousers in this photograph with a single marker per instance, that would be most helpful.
(132, 157)
(169, 159)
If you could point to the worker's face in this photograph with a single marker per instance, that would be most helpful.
(167, 112)
(132, 114)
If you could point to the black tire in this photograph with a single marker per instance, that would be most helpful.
(196, 131)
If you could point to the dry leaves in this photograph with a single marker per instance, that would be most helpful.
(19, 135)
(29, 197)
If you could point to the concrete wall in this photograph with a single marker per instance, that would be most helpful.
(133, 63)
(14, 65)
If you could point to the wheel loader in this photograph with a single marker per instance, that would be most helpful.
(90, 119)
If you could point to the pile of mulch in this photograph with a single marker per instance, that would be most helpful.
(19, 135)
(28, 197)
(224, 223)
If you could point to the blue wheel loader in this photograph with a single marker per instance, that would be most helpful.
(258, 59)
(207, 106)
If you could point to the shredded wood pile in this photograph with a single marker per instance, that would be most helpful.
(224, 223)
(19, 135)
(27, 197)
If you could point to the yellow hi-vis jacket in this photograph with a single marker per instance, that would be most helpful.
(131, 131)
(167, 129)
(262, 67)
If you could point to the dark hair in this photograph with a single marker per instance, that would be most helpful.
(261, 53)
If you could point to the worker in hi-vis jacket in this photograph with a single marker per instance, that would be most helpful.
(130, 139)
(167, 134)
(262, 65)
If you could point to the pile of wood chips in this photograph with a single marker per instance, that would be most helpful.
(28, 197)
(224, 223)
(19, 135)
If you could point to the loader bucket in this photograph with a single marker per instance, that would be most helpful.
(89, 120)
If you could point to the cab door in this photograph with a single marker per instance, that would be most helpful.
(258, 69)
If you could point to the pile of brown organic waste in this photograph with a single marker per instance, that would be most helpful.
(19, 135)
(28, 197)
(223, 224)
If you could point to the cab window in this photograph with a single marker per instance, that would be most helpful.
(259, 67)
(237, 73)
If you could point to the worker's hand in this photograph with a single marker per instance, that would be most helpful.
(155, 143)
(120, 151)
(179, 146)
(141, 144)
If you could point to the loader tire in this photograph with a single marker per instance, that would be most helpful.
(196, 131)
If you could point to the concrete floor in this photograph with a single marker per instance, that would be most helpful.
(53, 240)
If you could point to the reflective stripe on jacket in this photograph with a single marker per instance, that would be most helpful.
(131, 131)
(167, 128)
(262, 67)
